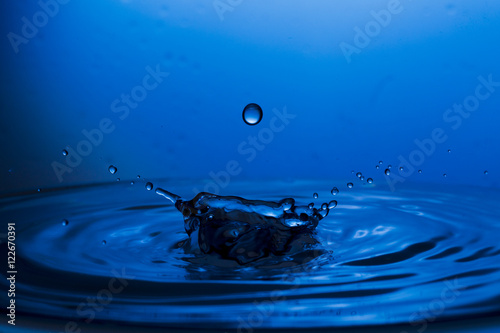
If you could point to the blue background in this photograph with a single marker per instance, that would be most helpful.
(349, 115)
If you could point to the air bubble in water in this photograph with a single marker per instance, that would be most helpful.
(332, 204)
(65, 152)
(64, 222)
(350, 185)
(315, 195)
(112, 169)
(335, 191)
(252, 114)
(149, 186)
(387, 172)
(369, 181)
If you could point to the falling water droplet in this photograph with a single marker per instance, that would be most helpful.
(359, 174)
(132, 183)
(324, 206)
(401, 168)
(335, 191)
(138, 176)
(112, 169)
(377, 167)
(350, 185)
(332, 204)
(104, 242)
(389, 166)
(380, 162)
(419, 171)
(65, 152)
(362, 178)
(485, 172)
(311, 205)
(149, 186)
(64, 222)
(252, 114)
(39, 189)
(387, 172)
(449, 150)
(315, 195)
(369, 181)
(117, 179)
(445, 175)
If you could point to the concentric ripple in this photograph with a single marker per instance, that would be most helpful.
(415, 255)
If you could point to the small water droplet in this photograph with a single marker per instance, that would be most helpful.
(39, 189)
(315, 195)
(132, 183)
(149, 186)
(350, 185)
(449, 150)
(104, 242)
(311, 205)
(419, 171)
(252, 114)
(117, 179)
(210, 217)
(387, 172)
(377, 167)
(362, 178)
(112, 169)
(485, 172)
(389, 166)
(380, 162)
(138, 176)
(335, 191)
(369, 181)
(445, 175)
(359, 174)
(332, 204)
(324, 206)
(65, 152)
(64, 222)
(401, 168)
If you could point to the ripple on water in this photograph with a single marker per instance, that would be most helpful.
(383, 256)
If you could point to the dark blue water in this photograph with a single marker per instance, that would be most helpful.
(415, 256)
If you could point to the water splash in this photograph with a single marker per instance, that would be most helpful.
(247, 230)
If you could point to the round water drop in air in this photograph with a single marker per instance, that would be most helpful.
(103, 242)
(449, 150)
(112, 169)
(311, 205)
(362, 178)
(380, 162)
(445, 175)
(389, 166)
(132, 183)
(64, 222)
(387, 172)
(315, 195)
(485, 172)
(117, 179)
(369, 181)
(377, 167)
(324, 206)
(401, 168)
(149, 186)
(335, 191)
(332, 204)
(359, 174)
(419, 171)
(65, 152)
(350, 185)
(252, 114)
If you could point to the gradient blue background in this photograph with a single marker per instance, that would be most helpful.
(274, 53)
